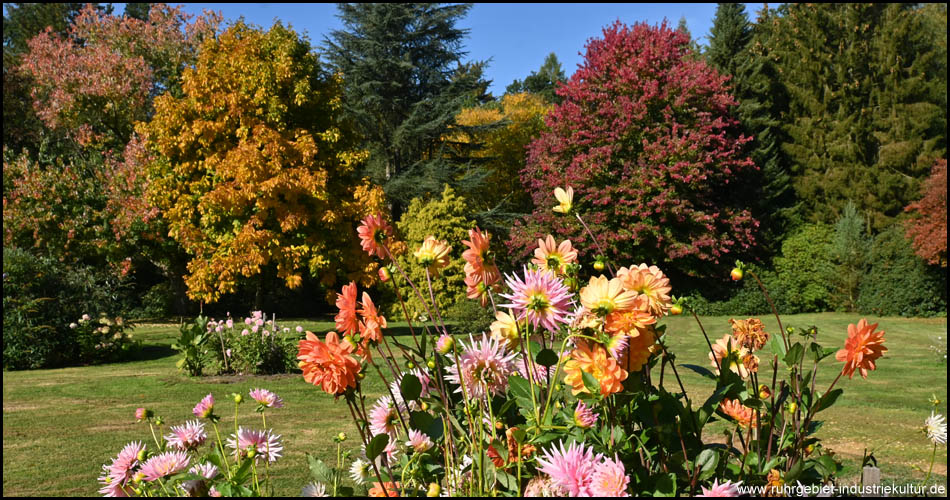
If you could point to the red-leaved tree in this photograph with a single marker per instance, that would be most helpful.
(645, 137)
(928, 229)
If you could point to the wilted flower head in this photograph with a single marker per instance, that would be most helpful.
(264, 443)
(542, 297)
(267, 398)
(749, 333)
(482, 366)
(373, 231)
(862, 347)
(205, 407)
(543, 486)
(565, 200)
(433, 254)
(187, 437)
(554, 257)
(165, 464)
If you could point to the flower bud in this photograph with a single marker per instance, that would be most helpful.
(431, 364)
(434, 490)
(410, 365)
(676, 310)
(424, 406)
(141, 456)
(599, 264)
(764, 392)
(361, 375)
(384, 274)
(809, 449)
(792, 407)
(341, 436)
(736, 274)
(499, 426)
(238, 398)
(444, 344)
(159, 421)
(251, 451)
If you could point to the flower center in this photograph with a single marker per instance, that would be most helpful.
(538, 302)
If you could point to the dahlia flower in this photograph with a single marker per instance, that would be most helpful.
(373, 231)
(728, 350)
(743, 415)
(726, 489)
(204, 408)
(346, 322)
(120, 470)
(936, 428)
(565, 200)
(187, 437)
(360, 471)
(383, 417)
(371, 328)
(554, 257)
(482, 366)
(609, 479)
(749, 333)
(313, 489)
(433, 254)
(541, 486)
(391, 489)
(266, 398)
(444, 344)
(593, 359)
(165, 464)
(649, 282)
(505, 330)
(863, 346)
(570, 469)
(265, 443)
(602, 296)
(478, 261)
(542, 297)
(328, 364)
(418, 441)
(206, 470)
(584, 416)
(639, 349)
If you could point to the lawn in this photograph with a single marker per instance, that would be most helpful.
(60, 426)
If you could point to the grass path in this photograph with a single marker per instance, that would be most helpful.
(60, 426)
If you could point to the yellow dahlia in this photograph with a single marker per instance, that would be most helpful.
(505, 330)
(639, 349)
(602, 296)
(433, 254)
(565, 200)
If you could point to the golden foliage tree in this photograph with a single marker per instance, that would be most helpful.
(254, 168)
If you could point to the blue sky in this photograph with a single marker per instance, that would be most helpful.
(516, 37)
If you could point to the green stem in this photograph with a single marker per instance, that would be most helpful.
(932, 458)
(157, 444)
(224, 455)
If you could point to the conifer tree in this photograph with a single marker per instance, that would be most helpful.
(543, 82)
(404, 83)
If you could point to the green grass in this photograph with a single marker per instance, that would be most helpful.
(60, 426)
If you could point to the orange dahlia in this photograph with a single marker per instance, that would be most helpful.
(863, 346)
(749, 333)
(742, 414)
(728, 351)
(639, 349)
(371, 328)
(650, 282)
(593, 359)
(372, 231)
(554, 257)
(630, 322)
(328, 364)
(478, 286)
(477, 257)
(392, 489)
(346, 322)
(602, 296)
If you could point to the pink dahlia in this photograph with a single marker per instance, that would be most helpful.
(383, 418)
(165, 464)
(141, 414)
(111, 488)
(570, 469)
(187, 437)
(120, 470)
(726, 489)
(373, 231)
(609, 479)
(205, 407)
(482, 366)
(584, 416)
(418, 441)
(206, 470)
(267, 398)
(541, 296)
(263, 443)
(444, 344)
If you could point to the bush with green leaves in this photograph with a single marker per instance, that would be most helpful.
(255, 345)
(41, 296)
(804, 269)
(899, 282)
(192, 338)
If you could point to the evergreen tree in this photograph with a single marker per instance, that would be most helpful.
(404, 83)
(543, 82)
(729, 36)
(138, 10)
(867, 104)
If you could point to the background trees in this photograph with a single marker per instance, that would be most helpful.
(254, 168)
(646, 139)
(404, 83)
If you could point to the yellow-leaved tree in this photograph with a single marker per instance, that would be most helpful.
(254, 169)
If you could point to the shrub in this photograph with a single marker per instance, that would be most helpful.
(192, 337)
(470, 317)
(255, 345)
(804, 269)
(849, 249)
(900, 282)
(41, 296)
(446, 219)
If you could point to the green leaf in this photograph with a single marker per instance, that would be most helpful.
(519, 387)
(420, 420)
(707, 461)
(320, 471)
(820, 353)
(665, 485)
(546, 358)
(828, 399)
(410, 387)
(705, 372)
(243, 472)
(709, 407)
(826, 466)
(792, 475)
(794, 355)
(376, 446)
(777, 346)
(591, 383)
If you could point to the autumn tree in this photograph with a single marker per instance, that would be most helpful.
(255, 170)
(928, 229)
(646, 139)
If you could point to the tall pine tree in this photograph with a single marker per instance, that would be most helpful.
(404, 83)
(867, 104)
(739, 48)
(543, 82)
